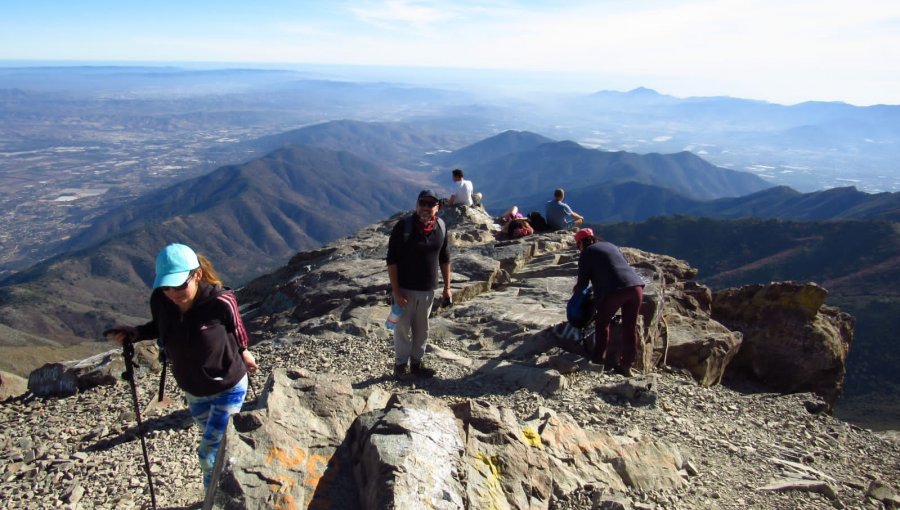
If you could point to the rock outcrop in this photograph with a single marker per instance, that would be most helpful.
(68, 378)
(515, 418)
(11, 385)
(317, 442)
(792, 341)
(510, 298)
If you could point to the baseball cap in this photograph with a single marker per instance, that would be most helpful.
(427, 193)
(583, 233)
(173, 265)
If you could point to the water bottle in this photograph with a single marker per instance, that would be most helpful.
(393, 317)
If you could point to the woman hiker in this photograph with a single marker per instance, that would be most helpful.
(200, 330)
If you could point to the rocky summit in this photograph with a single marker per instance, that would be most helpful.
(729, 407)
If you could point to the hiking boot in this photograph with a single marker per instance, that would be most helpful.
(624, 371)
(419, 369)
(401, 371)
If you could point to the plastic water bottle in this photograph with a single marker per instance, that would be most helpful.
(393, 317)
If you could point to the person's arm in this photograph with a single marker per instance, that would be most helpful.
(396, 293)
(444, 263)
(121, 333)
(395, 246)
(445, 272)
(236, 326)
(584, 274)
(578, 218)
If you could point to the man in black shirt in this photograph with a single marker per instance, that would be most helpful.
(416, 249)
(616, 285)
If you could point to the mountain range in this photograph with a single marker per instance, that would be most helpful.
(246, 218)
(324, 181)
(516, 165)
(634, 201)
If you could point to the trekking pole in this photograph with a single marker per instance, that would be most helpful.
(128, 354)
(162, 383)
(252, 388)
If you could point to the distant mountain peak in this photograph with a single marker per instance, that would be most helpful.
(639, 96)
(643, 91)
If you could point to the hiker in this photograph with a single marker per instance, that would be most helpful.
(559, 214)
(514, 224)
(510, 214)
(616, 285)
(416, 249)
(462, 190)
(199, 329)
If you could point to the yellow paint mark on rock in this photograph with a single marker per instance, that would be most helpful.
(532, 437)
(492, 470)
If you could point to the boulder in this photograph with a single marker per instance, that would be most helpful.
(408, 455)
(292, 451)
(68, 378)
(315, 441)
(11, 385)
(792, 341)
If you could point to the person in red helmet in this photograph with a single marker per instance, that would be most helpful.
(616, 286)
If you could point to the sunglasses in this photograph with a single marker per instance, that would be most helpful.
(427, 203)
(182, 286)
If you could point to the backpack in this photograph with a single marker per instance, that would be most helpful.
(519, 227)
(408, 225)
(537, 221)
(580, 308)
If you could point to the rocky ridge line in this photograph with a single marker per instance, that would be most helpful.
(500, 348)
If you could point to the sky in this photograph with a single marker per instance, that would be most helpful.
(783, 51)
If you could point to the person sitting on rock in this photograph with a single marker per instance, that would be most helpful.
(462, 190)
(513, 224)
(511, 213)
(558, 214)
(200, 330)
(616, 285)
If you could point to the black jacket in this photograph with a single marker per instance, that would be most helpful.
(418, 256)
(204, 344)
(605, 267)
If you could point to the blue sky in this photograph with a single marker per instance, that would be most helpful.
(783, 51)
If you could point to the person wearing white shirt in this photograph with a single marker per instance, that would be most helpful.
(462, 190)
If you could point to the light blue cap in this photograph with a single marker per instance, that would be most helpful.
(173, 265)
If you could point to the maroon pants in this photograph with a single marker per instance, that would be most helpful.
(629, 300)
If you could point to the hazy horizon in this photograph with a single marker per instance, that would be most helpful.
(784, 53)
(502, 81)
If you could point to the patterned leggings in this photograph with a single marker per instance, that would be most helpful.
(211, 414)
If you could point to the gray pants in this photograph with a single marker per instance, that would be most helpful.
(411, 333)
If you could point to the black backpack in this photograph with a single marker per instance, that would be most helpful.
(537, 221)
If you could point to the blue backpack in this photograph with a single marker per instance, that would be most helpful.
(580, 308)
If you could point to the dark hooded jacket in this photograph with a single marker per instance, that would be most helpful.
(204, 344)
(604, 266)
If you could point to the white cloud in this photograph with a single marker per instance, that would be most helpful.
(400, 14)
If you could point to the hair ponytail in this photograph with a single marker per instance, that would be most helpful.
(208, 273)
